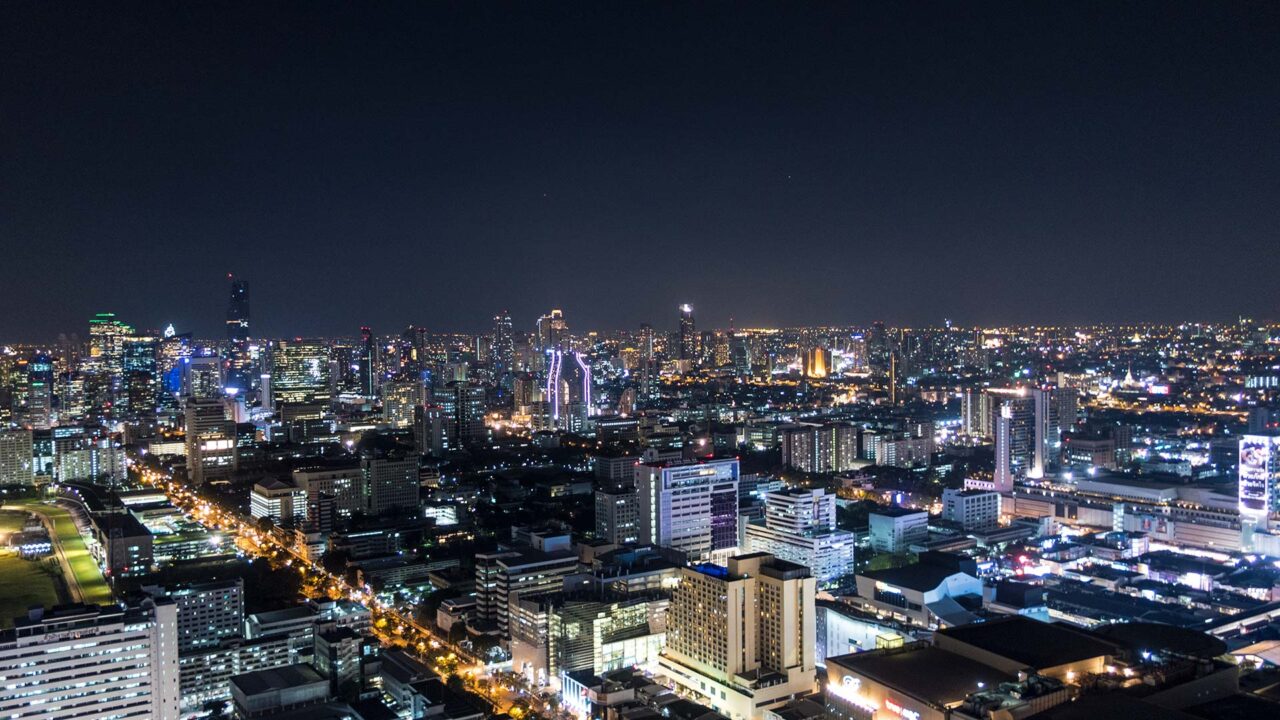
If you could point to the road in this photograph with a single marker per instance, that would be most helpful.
(392, 625)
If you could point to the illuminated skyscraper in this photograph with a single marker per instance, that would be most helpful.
(551, 331)
(238, 311)
(106, 348)
(368, 354)
(301, 371)
(688, 334)
(504, 347)
(240, 370)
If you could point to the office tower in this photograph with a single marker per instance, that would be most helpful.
(741, 638)
(390, 479)
(399, 400)
(740, 356)
(208, 613)
(691, 508)
(879, 349)
(618, 514)
(1047, 440)
(202, 377)
(172, 360)
(1264, 420)
(504, 344)
(1020, 405)
(239, 363)
(37, 410)
(366, 363)
(463, 406)
(800, 526)
(300, 372)
(211, 440)
(106, 337)
(504, 575)
(430, 430)
(17, 464)
(96, 662)
(688, 335)
(646, 345)
(973, 509)
(552, 331)
(342, 486)
(279, 500)
(238, 310)
(1003, 476)
(141, 376)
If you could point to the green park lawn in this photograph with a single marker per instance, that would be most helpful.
(92, 585)
(24, 583)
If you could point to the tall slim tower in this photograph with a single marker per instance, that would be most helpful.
(504, 345)
(240, 372)
(238, 311)
(688, 335)
(367, 373)
(1004, 449)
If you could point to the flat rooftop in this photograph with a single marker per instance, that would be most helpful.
(924, 672)
(1033, 643)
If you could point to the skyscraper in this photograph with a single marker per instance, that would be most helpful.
(742, 638)
(692, 508)
(366, 362)
(240, 373)
(238, 310)
(688, 334)
(504, 346)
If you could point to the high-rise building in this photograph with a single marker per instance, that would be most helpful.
(106, 349)
(832, 447)
(800, 526)
(96, 662)
(339, 489)
(140, 365)
(241, 374)
(301, 371)
(211, 440)
(504, 344)
(552, 331)
(741, 638)
(691, 508)
(505, 574)
(238, 311)
(462, 405)
(688, 334)
(399, 400)
(618, 513)
(208, 613)
(17, 462)
(390, 480)
(37, 410)
(1003, 428)
(896, 529)
(367, 362)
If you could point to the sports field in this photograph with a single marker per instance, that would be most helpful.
(25, 582)
(93, 588)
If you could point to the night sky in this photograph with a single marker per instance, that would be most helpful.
(433, 163)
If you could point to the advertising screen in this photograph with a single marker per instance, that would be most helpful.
(1255, 474)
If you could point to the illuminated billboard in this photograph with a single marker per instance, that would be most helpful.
(1255, 473)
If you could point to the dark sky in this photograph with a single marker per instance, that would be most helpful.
(779, 164)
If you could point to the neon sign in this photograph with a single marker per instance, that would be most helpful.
(900, 711)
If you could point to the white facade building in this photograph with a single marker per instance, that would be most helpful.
(973, 509)
(692, 508)
(92, 662)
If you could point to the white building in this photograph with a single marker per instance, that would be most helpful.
(692, 508)
(800, 527)
(742, 638)
(279, 500)
(895, 529)
(618, 514)
(973, 509)
(92, 662)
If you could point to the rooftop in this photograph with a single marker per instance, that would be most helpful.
(260, 681)
(922, 671)
(920, 577)
(1031, 642)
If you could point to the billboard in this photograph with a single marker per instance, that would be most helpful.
(1255, 474)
